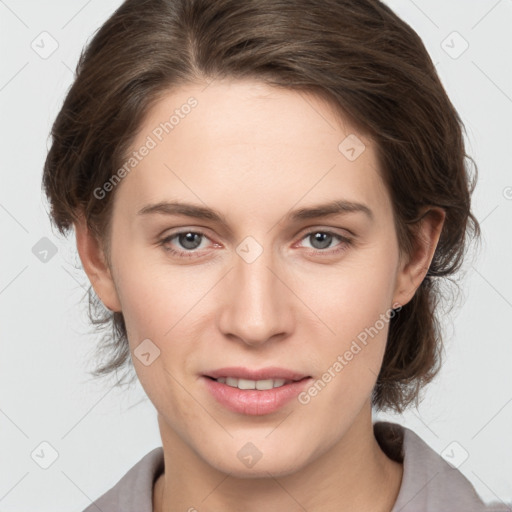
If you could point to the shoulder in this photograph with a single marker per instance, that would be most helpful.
(429, 482)
(133, 492)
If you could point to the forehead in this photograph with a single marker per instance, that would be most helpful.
(248, 140)
(245, 111)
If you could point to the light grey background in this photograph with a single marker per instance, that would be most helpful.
(99, 432)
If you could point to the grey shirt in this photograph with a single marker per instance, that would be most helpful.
(429, 483)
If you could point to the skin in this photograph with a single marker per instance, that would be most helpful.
(253, 153)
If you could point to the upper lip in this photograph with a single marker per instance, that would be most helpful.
(271, 372)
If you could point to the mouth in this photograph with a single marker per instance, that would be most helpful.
(254, 392)
(274, 373)
(261, 385)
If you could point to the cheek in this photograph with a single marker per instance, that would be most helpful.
(155, 297)
(353, 304)
(350, 360)
(352, 296)
(164, 305)
(157, 306)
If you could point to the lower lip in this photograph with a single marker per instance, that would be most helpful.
(252, 401)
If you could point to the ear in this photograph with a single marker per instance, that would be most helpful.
(95, 265)
(413, 269)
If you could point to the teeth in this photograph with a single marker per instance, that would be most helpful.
(253, 384)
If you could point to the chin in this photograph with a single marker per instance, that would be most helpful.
(250, 462)
(262, 469)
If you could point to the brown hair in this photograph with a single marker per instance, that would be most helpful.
(357, 54)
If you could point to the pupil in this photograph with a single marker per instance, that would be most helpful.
(187, 240)
(323, 238)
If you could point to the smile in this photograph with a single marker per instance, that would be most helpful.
(253, 384)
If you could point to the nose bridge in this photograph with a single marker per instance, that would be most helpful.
(257, 300)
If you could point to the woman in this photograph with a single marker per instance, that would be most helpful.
(265, 196)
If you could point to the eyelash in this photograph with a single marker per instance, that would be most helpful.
(346, 243)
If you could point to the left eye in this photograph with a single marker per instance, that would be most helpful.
(189, 240)
(323, 239)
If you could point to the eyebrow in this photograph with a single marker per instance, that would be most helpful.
(331, 208)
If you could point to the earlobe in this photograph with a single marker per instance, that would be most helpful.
(413, 270)
(95, 265)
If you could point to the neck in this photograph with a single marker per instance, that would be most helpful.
(355, 474)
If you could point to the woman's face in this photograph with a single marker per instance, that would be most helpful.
(261, 280)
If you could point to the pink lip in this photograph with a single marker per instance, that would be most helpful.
(254, 402)
(271, 372)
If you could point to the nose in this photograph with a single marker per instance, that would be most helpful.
(256, 304)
